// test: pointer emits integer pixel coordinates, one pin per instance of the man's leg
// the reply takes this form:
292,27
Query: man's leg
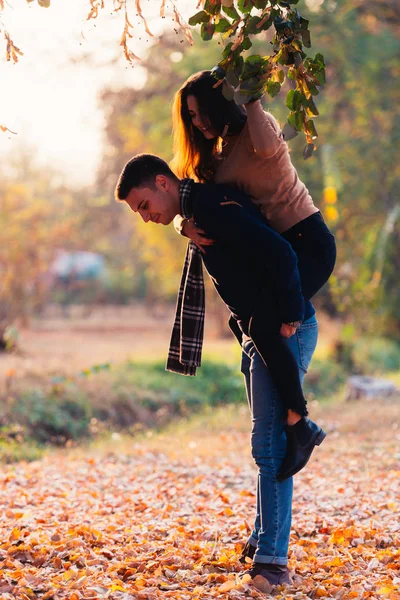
251,544
268,442
268,437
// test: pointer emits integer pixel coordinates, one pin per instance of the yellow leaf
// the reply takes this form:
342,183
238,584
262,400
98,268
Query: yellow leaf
116,587
227,586
385,590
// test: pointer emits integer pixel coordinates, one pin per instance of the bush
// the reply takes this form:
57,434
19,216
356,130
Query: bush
376,355
58,416
324,379
152,387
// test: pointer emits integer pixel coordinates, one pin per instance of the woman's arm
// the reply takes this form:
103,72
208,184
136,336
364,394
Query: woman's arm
187,228
264,132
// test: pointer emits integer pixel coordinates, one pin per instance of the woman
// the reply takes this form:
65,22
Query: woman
217,141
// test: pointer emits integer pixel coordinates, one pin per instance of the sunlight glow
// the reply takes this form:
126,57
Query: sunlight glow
50,96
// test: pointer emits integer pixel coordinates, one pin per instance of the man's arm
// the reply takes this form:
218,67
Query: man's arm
228,222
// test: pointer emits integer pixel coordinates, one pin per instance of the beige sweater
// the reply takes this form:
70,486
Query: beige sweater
259,164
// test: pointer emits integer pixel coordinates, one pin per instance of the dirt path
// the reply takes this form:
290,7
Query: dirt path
60,346
166,517
55,346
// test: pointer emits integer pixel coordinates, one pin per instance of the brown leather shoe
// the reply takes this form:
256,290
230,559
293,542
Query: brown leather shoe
266,576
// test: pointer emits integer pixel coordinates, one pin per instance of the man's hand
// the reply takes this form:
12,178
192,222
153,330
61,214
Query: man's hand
287,330
197,235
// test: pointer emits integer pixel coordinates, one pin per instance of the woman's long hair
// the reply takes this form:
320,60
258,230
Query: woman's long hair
194,155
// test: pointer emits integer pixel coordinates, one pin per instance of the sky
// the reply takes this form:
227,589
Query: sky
49,98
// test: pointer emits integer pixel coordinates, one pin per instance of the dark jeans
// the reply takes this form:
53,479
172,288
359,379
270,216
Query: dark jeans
315,248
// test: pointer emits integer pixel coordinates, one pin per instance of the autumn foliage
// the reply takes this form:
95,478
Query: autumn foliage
167,518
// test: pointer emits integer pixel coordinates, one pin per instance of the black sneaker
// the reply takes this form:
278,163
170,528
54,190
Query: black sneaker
301,441
247,552
266,575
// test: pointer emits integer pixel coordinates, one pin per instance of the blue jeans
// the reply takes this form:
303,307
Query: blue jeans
268,444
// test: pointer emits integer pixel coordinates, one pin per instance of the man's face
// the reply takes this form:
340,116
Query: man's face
158,205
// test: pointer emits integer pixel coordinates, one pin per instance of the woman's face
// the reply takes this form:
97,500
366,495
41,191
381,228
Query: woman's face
198,120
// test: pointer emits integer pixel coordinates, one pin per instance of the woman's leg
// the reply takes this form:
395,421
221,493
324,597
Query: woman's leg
315,248
304,435
316,251
264,330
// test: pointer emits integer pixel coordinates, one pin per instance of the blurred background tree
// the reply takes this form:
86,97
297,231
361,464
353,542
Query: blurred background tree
353,176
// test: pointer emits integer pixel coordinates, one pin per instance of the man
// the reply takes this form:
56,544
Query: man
255,272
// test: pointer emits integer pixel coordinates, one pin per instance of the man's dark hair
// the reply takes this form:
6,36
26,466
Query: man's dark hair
141,171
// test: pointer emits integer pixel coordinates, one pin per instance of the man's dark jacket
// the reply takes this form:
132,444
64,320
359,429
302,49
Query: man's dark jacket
249,259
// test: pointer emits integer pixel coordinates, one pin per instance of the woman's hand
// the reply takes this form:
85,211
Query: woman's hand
287,330
197,235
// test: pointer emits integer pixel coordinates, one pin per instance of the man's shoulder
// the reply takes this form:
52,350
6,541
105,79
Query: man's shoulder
208,196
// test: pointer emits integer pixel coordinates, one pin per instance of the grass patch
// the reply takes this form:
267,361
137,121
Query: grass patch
133,398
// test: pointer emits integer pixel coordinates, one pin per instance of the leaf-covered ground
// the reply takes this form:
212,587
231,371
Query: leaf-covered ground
166,517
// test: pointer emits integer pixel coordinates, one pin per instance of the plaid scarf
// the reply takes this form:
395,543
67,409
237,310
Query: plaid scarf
184,354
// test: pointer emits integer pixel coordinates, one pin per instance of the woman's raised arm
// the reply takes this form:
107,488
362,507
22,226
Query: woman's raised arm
264,130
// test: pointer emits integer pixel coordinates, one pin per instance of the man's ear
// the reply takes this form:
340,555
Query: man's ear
162,181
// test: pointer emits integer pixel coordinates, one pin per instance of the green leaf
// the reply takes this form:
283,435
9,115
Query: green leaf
200,17
314,91
260,4
246,44
231,12
280,76
294,99
227,50
255,60
213,7
250,85
308,151
291,74
311,109
296,120
320,76
273,88
306,37
223,25
282,56
245,6
207,31
251,27
310,127
267,24
303,23
238,65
